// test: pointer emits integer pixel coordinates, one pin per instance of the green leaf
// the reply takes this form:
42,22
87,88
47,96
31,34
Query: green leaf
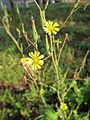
6,18
23,29
33,91
51,115
75,86
35,34
42,17
2,8
47,44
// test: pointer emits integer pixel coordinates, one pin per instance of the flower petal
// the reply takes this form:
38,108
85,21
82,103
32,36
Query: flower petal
54,32
55,25
41,57
31,54
40,62
38,66
56,29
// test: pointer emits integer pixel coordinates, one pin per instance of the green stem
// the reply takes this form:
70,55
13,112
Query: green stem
43,100
55,68
14,40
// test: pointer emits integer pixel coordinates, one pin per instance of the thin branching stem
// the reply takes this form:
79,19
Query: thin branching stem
59,56
26,37
71,13
55,68
76,75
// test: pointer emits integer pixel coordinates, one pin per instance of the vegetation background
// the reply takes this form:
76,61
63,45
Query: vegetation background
20,101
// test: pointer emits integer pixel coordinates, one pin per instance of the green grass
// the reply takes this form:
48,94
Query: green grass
10,69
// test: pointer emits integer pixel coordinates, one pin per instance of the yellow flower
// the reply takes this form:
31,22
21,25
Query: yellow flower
26,60
75,112
36,60
26,63
51,28
63,106
58,113
42,91
23,60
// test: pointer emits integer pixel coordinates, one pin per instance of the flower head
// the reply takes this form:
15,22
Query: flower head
35,60
58,113
42,91
51,28
75,112
63,106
